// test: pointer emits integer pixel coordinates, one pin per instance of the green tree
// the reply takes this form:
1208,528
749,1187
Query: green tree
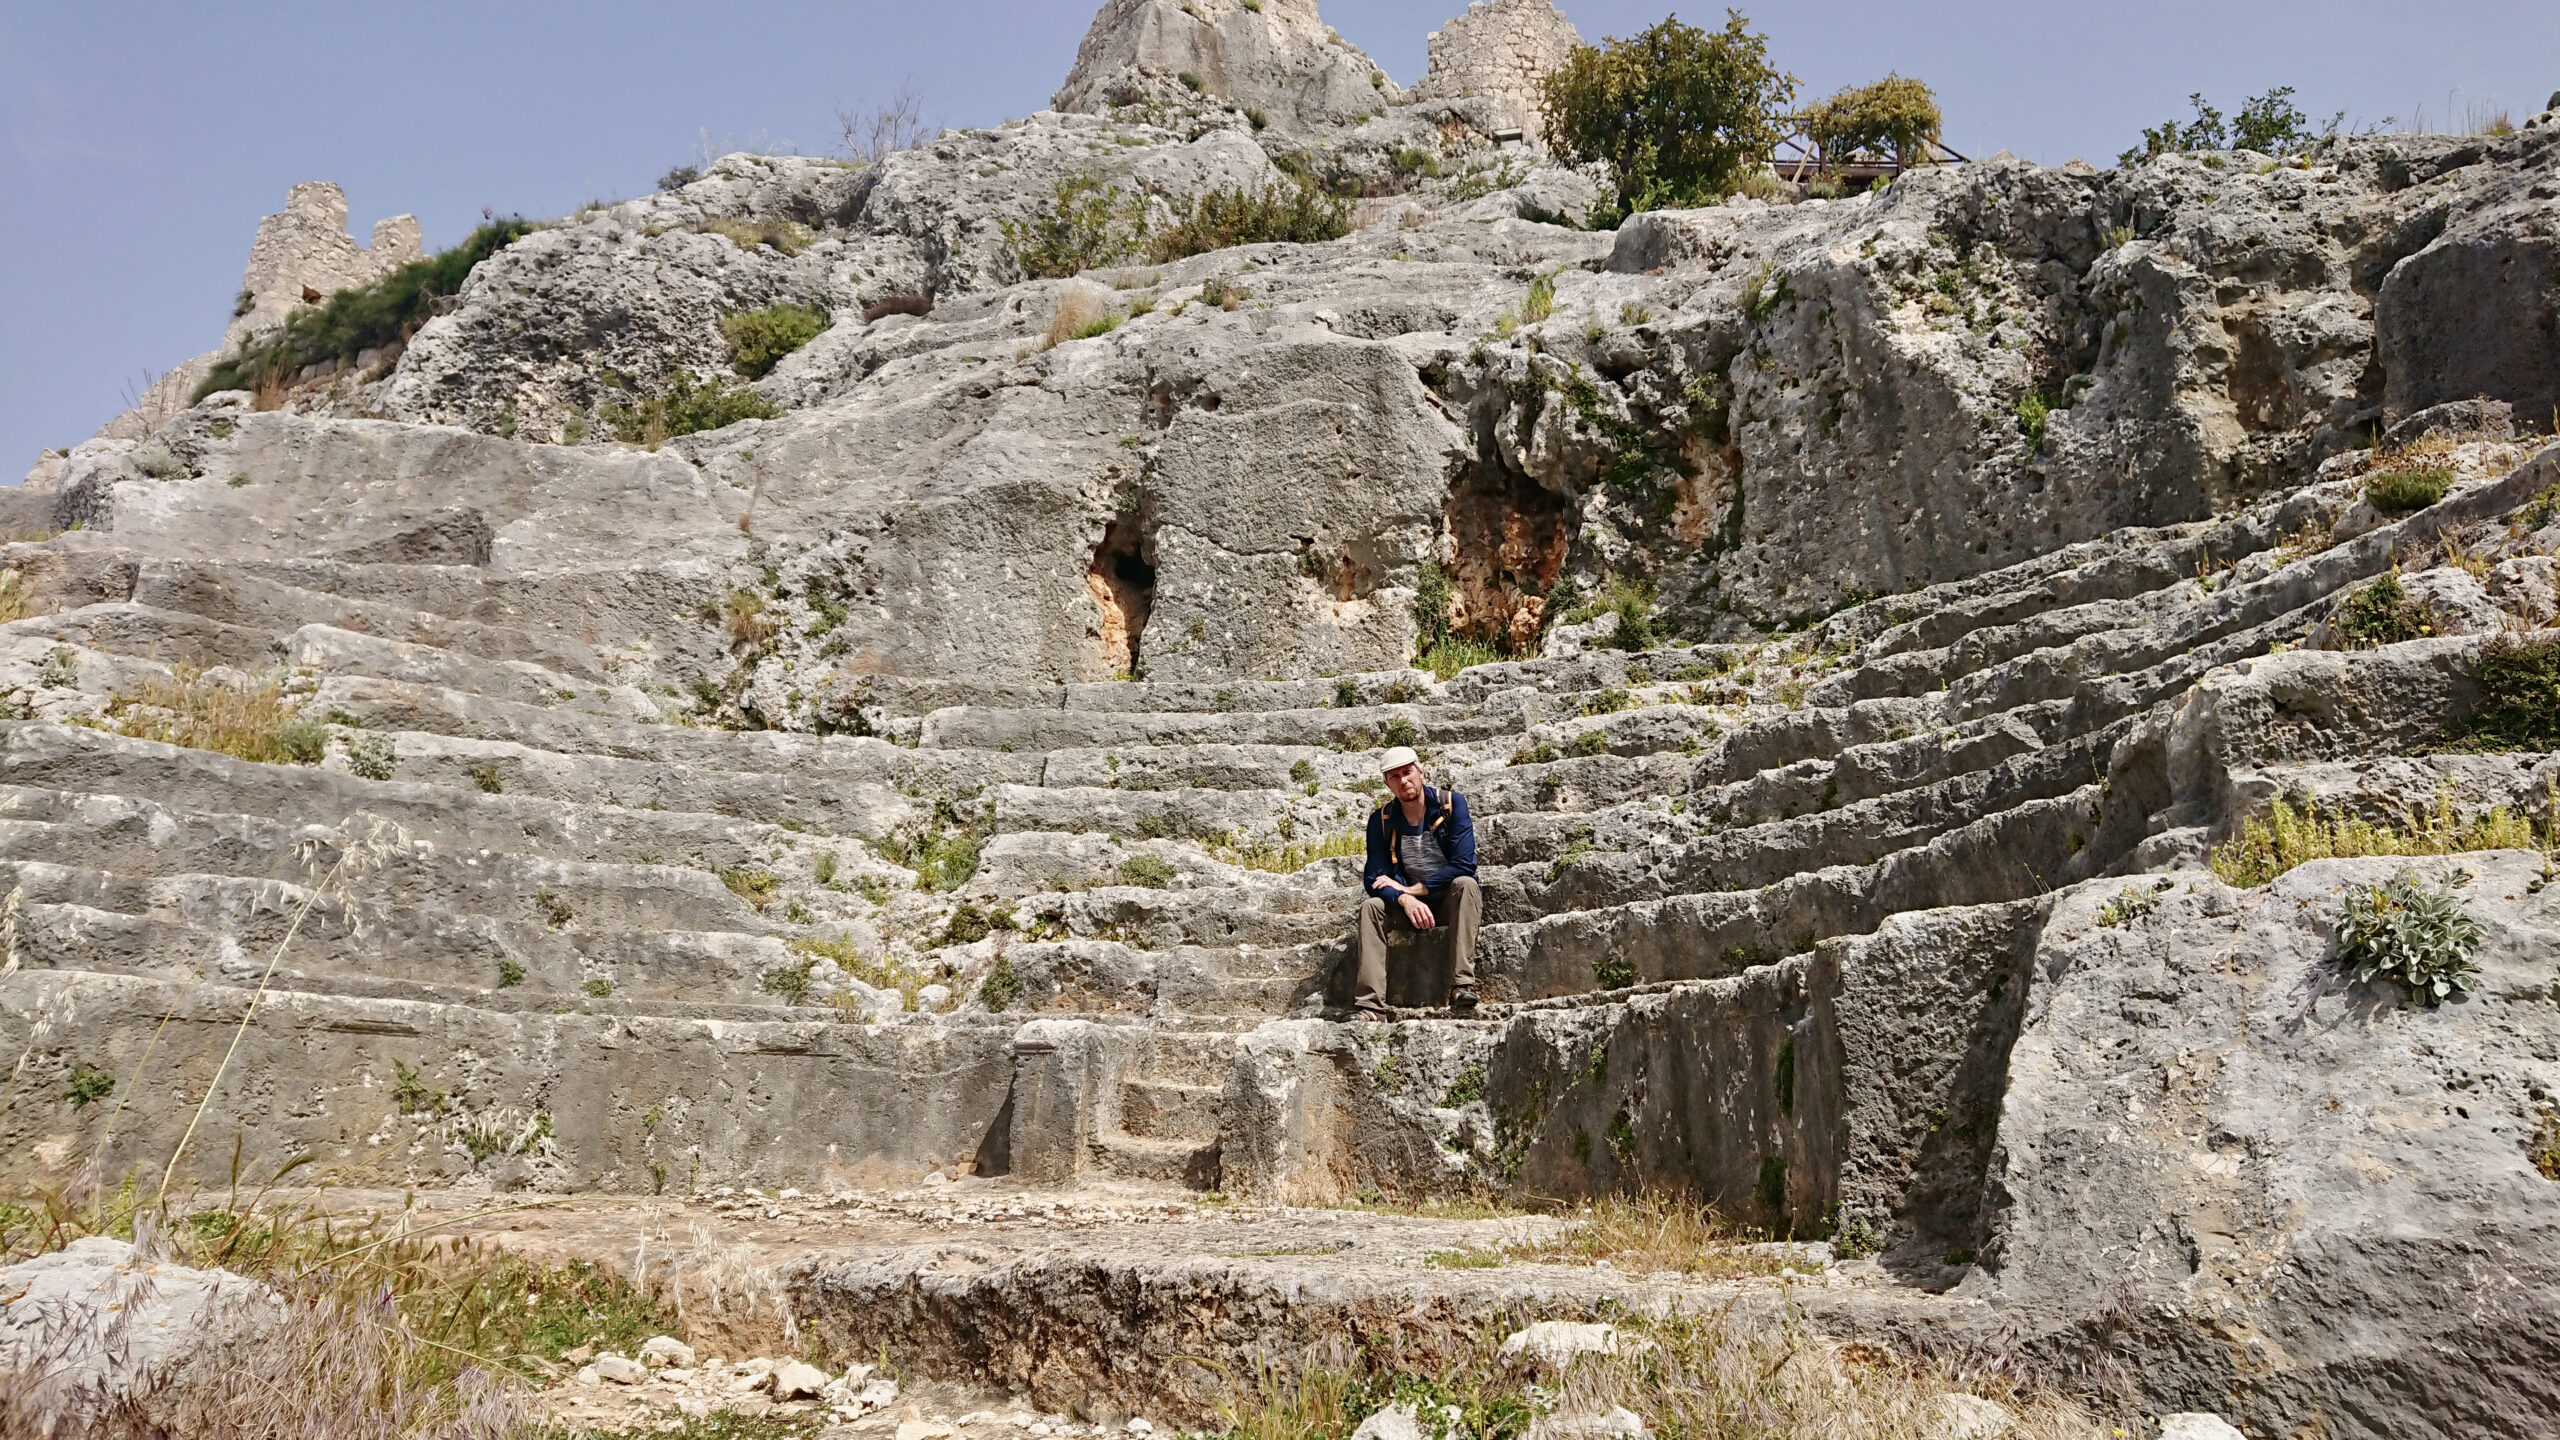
1677,113
2270,124
1895,118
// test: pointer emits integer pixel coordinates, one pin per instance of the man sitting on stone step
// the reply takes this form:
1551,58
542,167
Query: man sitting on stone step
1422,870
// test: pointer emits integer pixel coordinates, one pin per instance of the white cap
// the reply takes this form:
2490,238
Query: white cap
1397,759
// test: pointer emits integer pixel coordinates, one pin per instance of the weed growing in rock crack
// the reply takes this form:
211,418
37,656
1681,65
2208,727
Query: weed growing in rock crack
1467,1089
759,339
1401,731
753,886
372,757
410,1094
599,987
2544,1152
1291,213
1590,743
486,777
1151,871
2404,492
969,924
2519,695
792,981
1613,972
1302,772
2383,614
2131,904
1542,753
2265,849
1462,1260
510,974
88,1083
2407,930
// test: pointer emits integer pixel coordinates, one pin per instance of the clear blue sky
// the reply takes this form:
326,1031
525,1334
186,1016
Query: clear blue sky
144,140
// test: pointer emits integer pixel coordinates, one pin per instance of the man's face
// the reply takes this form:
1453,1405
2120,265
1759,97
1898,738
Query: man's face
1405,782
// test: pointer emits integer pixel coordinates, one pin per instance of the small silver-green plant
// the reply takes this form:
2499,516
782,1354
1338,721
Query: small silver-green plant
2407,930
2131,904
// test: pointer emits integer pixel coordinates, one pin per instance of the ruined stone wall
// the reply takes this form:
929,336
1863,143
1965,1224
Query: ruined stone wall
1501,49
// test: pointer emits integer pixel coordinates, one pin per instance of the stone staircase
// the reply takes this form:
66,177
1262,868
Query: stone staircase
1063,914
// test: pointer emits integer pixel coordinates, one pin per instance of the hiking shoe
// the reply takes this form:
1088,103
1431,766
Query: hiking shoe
1463,1003
1370,1017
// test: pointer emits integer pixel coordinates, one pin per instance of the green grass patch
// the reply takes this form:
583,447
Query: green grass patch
2265,849
758,339
2403,492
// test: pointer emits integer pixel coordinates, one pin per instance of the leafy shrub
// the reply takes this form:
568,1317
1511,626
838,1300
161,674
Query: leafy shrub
1001,986
2519,695
368,317
758,339
1085,223
599,987
1151,871
970,924
1893,118
688,406
2545,1150
1589,743
2403,492
1613,972
1676,113
2383,614
2414,933
510,974
1431,599
2270,124
1450,656
1634,631
2034,412
372,757
1401,731
678,177
1539,754
1296,213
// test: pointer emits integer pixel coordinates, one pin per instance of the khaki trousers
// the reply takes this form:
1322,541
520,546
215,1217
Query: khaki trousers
1458,906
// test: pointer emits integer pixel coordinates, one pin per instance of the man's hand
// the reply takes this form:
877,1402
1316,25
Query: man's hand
1416,911
1388,884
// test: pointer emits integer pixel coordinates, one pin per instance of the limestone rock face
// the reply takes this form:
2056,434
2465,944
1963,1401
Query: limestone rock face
1276,57
2476,312
2212,1136
1500,49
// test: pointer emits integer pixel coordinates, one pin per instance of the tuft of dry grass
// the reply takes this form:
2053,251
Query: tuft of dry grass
1080,310
2265,849
250,722
1655,1231
13,598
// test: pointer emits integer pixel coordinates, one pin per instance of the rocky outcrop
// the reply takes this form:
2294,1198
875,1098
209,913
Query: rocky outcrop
1502,50
1276,58
958,767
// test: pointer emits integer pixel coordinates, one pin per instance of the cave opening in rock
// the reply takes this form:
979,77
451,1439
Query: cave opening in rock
1509,540
1123,581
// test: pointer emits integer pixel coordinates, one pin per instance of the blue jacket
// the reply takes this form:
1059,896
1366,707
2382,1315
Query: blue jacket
1444,811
